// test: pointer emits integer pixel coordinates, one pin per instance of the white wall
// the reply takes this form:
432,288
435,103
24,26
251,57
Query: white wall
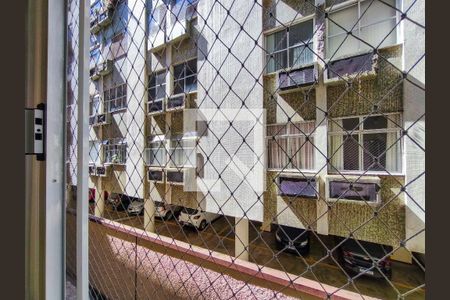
414,108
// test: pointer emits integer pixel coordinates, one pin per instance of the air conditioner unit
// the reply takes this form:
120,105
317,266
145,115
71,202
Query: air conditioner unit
353,188
176,102
297,185
155,175
102,171
103,119
155,107
105,17
298,78
94,73
357,65
106,67
175,177
94,24
92,170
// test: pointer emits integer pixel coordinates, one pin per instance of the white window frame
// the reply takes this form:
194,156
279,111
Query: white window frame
155,144
92,106
279,29
156,87
287,136
179,144
347,5
183,78
361,132
121,99
112,147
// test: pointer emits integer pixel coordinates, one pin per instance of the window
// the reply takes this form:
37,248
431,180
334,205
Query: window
94,151
94,57
116,98
94,105
156,91
155,154
185,77
366,144
291,47
370,21
182,150
290,146
115,151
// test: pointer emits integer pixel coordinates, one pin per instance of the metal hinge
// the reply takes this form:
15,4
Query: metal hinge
35,131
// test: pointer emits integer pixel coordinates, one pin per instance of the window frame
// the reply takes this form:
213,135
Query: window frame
280,28
184,77
186,151
346,5
156,87
153,148
360,132
115,144
121,99
288,136
91,105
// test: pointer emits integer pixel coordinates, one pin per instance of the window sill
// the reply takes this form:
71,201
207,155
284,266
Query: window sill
293,171
120,110
290,69
364,174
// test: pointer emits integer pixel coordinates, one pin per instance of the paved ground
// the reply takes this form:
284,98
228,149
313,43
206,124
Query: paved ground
219,237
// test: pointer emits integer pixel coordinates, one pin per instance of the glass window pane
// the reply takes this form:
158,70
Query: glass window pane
300,56
351,152
374,146
342,21
350,124
178,87
301,32
191,84
191,67
276,41
377,122
376,11
178,71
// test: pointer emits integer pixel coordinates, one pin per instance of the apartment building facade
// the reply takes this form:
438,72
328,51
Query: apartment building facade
341,87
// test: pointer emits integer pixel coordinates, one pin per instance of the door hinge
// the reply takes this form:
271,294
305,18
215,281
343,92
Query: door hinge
35,131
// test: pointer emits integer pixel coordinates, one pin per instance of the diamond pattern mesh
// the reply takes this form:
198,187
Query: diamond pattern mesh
267,149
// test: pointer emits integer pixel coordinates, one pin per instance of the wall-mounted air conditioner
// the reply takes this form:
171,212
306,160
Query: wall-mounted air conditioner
156,106
298,78
92,170
176,102
298,185
175,177
155,175
102,119
102,171
94,73
95,26
105,17
353,188
357,65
